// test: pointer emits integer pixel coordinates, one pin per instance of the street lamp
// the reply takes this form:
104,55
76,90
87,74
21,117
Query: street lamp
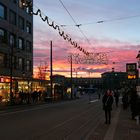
138,59
11,75
70,60
51,70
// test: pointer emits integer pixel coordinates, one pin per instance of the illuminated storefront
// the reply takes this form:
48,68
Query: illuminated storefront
20,85
4,89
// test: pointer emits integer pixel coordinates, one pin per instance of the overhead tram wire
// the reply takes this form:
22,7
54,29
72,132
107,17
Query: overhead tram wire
113,19
103,21
92,56
77,25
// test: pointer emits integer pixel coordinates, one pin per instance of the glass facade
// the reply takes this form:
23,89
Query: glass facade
20,43
12,17
28,46
21,23
16,45
20,63
3,34
2,11
28,27
28,65
1,59
12,40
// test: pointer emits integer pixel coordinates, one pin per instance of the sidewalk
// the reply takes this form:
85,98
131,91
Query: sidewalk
127,129
121,127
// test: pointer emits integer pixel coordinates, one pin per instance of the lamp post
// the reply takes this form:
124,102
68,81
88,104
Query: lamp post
138,59
11,75
51,70
71,78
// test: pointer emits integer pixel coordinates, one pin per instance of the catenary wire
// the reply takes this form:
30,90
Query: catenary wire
103,21
77,25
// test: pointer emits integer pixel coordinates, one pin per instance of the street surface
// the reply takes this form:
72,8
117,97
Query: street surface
67,120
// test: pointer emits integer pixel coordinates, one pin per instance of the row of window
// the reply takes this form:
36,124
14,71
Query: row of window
17,63
14,41
15,20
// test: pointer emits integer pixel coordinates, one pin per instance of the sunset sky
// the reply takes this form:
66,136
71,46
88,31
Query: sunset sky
118,34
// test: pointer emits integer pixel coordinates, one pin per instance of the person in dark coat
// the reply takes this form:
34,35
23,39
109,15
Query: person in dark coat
116,95
133,102
107,101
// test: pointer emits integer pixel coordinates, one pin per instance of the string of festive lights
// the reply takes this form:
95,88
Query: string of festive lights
92,58
54,26
89,57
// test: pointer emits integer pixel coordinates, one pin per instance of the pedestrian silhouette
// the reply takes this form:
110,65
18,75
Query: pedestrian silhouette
116,95
133,102
107,101
125,100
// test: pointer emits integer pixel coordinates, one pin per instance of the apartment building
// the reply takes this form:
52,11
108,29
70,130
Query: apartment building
16,43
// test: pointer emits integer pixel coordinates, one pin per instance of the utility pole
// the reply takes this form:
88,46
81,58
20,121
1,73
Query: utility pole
11,75
71,77
51,70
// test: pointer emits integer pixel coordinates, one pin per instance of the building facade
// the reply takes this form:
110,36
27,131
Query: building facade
114,80
16,43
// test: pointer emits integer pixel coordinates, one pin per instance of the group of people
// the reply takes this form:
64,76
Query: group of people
129,97
28,97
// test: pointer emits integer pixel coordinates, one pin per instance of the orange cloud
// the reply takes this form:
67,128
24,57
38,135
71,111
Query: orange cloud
119,53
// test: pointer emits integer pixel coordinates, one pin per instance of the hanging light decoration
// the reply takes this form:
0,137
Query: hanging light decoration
96,58
91,57
65,36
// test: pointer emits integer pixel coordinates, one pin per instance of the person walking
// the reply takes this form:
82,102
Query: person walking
116,95
107,101
133,102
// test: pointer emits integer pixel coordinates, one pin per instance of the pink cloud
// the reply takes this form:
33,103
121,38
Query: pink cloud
117,51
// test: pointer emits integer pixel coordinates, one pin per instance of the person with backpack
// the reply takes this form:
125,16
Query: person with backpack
107,101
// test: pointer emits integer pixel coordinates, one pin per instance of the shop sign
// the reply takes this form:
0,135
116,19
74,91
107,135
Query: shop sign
131,69
4,80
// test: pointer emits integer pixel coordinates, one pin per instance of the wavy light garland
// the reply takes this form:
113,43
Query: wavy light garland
54,26
90,58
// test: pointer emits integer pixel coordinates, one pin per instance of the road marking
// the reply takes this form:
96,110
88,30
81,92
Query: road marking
111,131
21,111
92,101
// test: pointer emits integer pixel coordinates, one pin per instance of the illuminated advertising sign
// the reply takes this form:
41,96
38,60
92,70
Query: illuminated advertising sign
131,69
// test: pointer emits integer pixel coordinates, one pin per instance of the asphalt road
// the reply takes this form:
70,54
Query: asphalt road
67,120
